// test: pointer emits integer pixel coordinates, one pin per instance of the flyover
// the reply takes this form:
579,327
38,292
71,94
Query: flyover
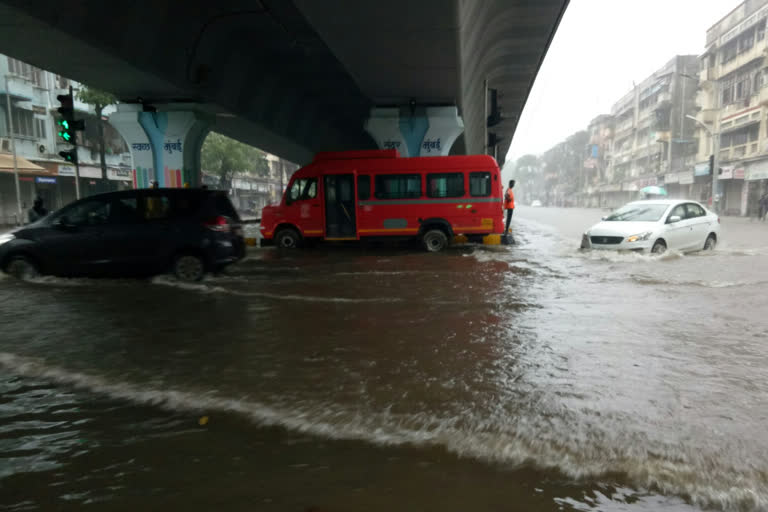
301,76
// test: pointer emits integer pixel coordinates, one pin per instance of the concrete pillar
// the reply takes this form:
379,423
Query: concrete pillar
429,131
165,145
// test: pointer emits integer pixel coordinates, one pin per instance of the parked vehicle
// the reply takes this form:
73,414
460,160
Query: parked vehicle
136,232
655,226
365,194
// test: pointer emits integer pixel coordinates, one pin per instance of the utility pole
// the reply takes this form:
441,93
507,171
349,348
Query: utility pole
13,150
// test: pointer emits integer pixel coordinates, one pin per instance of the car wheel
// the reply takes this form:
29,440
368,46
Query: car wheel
659,247
189,268
434,240
22,267
287,238
711,243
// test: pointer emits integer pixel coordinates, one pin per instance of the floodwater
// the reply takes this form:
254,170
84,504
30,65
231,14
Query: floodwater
532,377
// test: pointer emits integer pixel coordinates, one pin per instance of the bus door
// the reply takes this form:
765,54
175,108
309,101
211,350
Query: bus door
340,207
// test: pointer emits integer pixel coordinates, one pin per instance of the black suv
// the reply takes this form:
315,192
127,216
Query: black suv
136,232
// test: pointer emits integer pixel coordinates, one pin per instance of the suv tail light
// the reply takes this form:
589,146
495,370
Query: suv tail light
220,224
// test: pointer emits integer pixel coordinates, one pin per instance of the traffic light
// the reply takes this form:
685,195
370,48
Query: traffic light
67,123
70,156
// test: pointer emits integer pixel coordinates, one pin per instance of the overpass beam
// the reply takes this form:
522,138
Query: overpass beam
419,131
165,144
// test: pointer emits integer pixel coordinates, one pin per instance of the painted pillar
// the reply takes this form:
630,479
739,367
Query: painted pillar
429,131
126,121
165,145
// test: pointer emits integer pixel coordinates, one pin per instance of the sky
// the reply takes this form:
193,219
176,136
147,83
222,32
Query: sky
600,48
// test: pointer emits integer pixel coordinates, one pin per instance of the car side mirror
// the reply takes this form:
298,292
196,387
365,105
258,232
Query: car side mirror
603,217
673,219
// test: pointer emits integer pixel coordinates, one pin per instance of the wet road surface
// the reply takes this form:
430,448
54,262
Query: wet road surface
532,377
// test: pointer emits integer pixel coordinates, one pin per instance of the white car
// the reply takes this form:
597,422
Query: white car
655,226
536,203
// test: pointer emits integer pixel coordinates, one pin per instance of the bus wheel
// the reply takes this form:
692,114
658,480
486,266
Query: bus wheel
288,238
434,240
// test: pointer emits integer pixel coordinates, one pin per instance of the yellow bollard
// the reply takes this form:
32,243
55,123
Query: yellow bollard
492,240
203,421
460,239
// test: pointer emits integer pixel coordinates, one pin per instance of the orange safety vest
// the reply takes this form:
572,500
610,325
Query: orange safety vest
509,200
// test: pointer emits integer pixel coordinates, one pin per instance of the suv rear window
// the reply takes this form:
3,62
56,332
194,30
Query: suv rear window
224,206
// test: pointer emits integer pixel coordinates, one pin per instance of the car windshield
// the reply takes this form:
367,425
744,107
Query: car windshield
638,213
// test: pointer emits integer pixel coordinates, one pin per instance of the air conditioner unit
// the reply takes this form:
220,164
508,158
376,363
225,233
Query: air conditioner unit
41,149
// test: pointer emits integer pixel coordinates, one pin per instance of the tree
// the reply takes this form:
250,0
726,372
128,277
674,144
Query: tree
226,157
99,100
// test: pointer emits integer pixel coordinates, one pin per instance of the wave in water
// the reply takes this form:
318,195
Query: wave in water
649,280
206,288
673,469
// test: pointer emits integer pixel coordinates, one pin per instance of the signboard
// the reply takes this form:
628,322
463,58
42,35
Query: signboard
119,174
45,179
26,178
671,178
66,170
685,178
726,173
701,169
90,172
758,171
738,174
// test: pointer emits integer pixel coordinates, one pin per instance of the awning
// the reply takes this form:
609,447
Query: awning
24,165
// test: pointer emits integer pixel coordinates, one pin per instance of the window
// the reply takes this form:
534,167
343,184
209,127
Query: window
678,211
479,184
124,211
445,185
758,81
24,70
158,206
23,123
363,187
304,188
91,212
222,204
39,128
693,210
398,186
761,30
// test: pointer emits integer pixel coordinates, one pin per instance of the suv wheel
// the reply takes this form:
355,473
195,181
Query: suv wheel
22,267
287,238
434,240
189,268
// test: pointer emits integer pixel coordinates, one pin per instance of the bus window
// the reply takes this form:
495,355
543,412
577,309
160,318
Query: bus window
363,187
445,184
398,186
479,184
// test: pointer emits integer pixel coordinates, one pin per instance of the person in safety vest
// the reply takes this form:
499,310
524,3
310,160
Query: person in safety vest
509,203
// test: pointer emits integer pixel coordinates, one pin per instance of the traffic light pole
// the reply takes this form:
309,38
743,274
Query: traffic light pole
13,150
77,160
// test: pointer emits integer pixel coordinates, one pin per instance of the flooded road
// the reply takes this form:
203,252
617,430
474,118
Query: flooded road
532,377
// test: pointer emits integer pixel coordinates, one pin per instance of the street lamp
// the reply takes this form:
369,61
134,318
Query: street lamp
715,155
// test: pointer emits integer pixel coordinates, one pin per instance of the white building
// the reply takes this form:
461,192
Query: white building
42,172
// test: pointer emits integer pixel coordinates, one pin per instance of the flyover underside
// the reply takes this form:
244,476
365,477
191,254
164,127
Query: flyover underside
294,77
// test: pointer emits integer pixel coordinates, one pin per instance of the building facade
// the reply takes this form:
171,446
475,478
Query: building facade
652,141
42,172
733,101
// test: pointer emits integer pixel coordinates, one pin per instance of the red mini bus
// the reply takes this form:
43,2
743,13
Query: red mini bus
431,198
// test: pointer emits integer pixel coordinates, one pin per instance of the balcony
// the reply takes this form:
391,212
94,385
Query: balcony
758,51
739,152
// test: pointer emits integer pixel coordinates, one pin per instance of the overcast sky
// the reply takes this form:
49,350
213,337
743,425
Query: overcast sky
600,47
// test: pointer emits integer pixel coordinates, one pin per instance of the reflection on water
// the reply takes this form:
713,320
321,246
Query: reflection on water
532,377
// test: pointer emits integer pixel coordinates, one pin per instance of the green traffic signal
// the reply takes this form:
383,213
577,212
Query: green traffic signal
64,123
65,135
